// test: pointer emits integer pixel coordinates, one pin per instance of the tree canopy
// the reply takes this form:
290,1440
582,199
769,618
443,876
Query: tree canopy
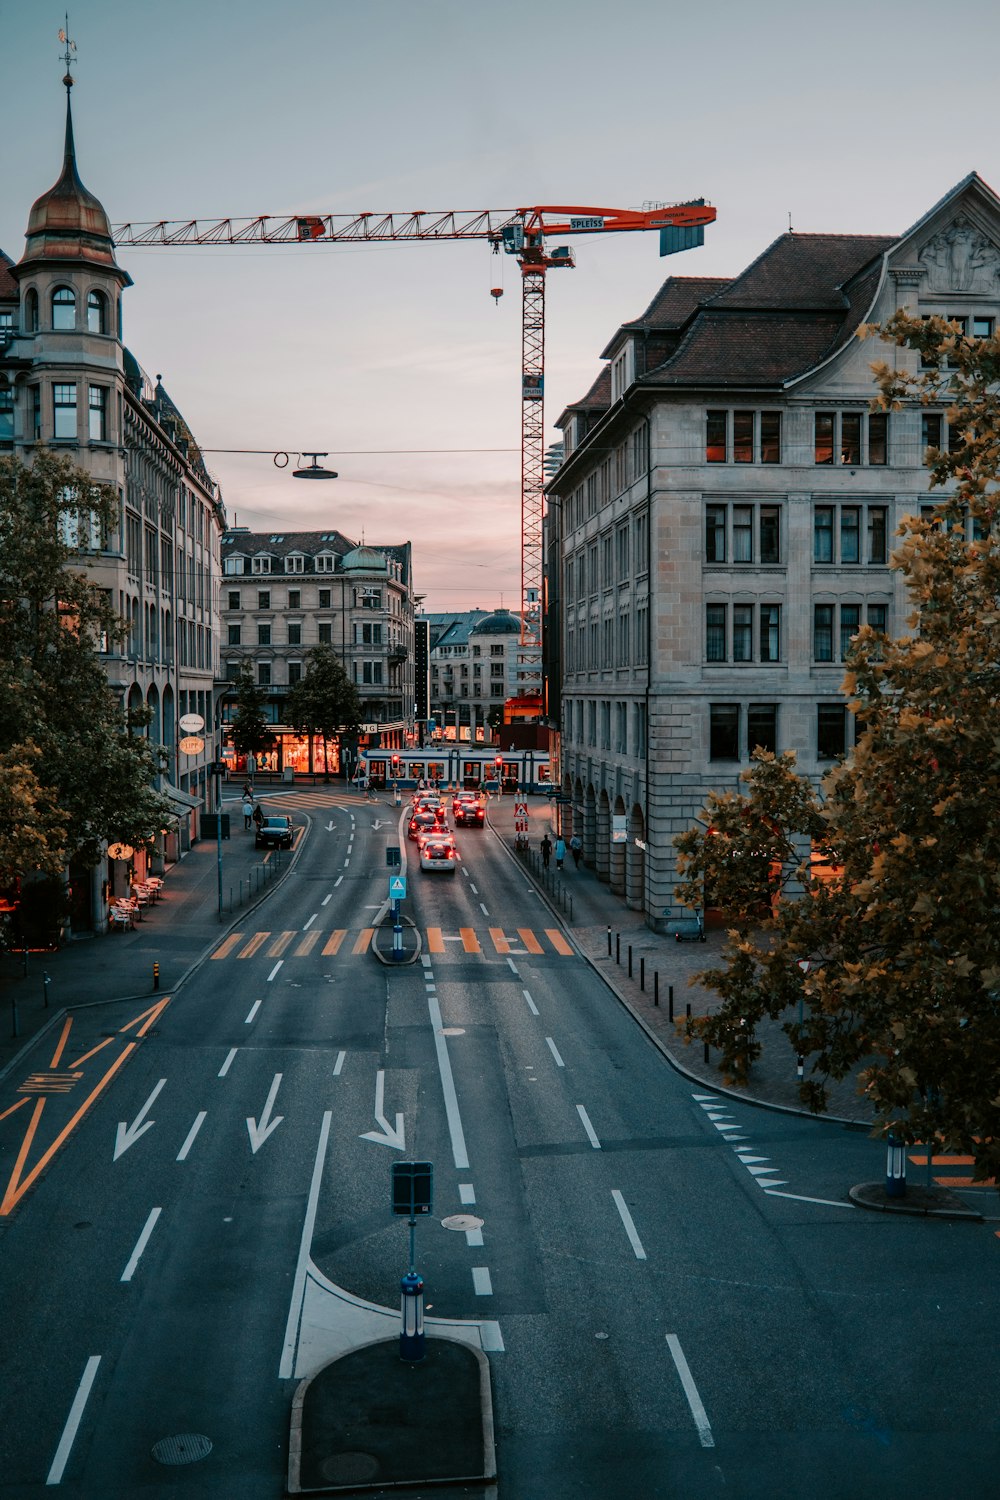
82,772
251,733
896,911
324,701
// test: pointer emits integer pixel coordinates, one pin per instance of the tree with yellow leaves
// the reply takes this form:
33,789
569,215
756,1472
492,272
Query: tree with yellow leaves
901,927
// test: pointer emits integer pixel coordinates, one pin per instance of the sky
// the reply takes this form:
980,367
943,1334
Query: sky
394,358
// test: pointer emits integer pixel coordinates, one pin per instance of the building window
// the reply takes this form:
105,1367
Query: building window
850,624
63,308
770,632
878,438
294,599
31,311
850,534
838,438
724,731
324,599
64,405
97,406
823,443
234,598
264,599
717,424
743,426
715,533
930,429
295,633
877,541
831,730
837,532
295,563
762,727
878,617
263,635
294,673
770,437
770,533
715,632
742,533
6,416
823,632
97,312
742,632
325,636
261,565
233,635
754,531
850,438
264,673
35,398
232,671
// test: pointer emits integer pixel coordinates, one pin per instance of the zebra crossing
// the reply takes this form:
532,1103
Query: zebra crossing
300,943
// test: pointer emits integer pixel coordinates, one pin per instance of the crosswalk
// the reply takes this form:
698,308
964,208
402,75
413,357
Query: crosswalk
297,943
951,1171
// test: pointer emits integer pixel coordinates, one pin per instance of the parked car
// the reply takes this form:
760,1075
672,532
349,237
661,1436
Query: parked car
438,854
274,833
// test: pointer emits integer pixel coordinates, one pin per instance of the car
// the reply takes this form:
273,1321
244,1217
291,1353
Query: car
438,854
470,812
274,833
421,824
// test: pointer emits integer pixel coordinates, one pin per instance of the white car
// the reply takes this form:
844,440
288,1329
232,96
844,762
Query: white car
438,854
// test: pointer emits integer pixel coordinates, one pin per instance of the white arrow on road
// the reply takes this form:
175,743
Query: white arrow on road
260,1132
381,823
387,1136
329,826
127,1135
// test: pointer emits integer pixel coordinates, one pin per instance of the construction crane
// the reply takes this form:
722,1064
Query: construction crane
520,232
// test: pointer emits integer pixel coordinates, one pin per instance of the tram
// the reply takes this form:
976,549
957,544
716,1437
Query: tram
460,766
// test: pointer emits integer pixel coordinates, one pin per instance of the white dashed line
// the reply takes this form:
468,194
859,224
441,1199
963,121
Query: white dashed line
327,899
513,966
228,1063
691,1392
591,1135
255,1007
630,1228
466,1193
481,1283
275,970
338,1065
555,1052
141,1244
198,1123
482,908
73,1420
310,921
338,880
531,1004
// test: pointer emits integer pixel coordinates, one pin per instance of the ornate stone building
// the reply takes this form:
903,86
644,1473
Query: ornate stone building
68,382
727,507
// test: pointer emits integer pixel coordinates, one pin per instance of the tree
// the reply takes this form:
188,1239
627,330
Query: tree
899,924
54,695
251,733
324,701
34,832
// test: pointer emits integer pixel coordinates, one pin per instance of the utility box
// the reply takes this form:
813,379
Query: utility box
288,773
209,829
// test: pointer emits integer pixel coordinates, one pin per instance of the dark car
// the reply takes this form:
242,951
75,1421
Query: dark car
469,811
422,823
274,833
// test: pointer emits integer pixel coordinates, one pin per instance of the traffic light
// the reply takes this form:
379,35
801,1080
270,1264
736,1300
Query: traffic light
395,765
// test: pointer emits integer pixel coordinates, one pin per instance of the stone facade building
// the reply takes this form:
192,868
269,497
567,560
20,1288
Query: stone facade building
474,659
68,382
283,593
726,511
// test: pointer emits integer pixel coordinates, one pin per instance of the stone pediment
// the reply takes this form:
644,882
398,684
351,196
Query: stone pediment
960,258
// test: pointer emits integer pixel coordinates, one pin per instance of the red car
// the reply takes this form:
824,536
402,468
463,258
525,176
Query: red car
422,823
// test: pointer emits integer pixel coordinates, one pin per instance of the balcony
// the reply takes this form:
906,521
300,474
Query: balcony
397,655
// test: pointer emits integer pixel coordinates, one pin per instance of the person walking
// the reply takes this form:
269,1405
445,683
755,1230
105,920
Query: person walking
258,815
546,848
560,851
247,809
576,849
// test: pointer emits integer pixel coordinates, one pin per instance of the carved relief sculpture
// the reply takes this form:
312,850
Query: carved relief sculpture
960,259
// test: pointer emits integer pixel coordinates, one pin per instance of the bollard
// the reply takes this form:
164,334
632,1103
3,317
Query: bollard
688,1009
707,1059
630,960
670,995
800,1064
46,981
642,973
13,1016
609,939
156,976
618,947
656,986
397,934
411,1317
895,1167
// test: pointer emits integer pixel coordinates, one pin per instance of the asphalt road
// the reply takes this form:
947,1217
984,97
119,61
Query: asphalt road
679,1298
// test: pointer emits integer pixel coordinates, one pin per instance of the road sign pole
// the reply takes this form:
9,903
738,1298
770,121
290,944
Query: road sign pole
397,933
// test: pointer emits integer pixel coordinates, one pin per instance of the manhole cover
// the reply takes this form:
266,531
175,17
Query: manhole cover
452,1031
185,1448
349,1468
462,1221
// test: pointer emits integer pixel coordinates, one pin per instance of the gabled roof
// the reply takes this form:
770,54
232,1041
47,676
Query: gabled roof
8,286
283,544
673,304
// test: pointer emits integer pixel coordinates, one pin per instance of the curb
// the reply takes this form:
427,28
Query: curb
917,1202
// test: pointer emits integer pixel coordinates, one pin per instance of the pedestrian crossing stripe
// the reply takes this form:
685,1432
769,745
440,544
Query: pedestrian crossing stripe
466,940
948,1179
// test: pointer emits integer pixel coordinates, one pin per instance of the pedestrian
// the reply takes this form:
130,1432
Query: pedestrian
560,851
258,816
576,849
247,809
546,848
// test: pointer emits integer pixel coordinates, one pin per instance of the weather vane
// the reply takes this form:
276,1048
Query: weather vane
68,55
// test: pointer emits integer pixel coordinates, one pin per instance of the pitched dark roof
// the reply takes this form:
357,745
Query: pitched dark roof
8,286
283,543
598,398
675,301
803,271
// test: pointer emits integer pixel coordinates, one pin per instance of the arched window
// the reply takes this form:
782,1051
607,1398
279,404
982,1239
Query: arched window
63,308
97,312
31,311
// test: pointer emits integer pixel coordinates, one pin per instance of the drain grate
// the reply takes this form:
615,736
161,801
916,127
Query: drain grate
185,1448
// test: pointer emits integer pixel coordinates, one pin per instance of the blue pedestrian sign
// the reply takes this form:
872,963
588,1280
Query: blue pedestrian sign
397,887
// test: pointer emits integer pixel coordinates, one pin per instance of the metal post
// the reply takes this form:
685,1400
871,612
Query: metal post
656,986
688,1010
630,960
895,1167
618,947
411,1314
46,981
642,973
670,1000
609,939
218,831
707,1059
397,938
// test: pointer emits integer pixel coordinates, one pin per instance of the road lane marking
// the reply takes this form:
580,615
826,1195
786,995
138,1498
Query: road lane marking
255,1007
482,908
474,1238
334,941
363,940
73,1420
310,921
326,899
260,1130
228,944
126,1135
141,1244
279,945
473,888
275,970
588,1127
500,942
338,1065
466,1193
529,940
481,1283
555,1052
458,1150
308,943
513,968
257,941
630,1229
287,1366
799,1198
435,940
492,1338
469,940
228,1063
336,883
558,942
198,1123
531,1004
691,1392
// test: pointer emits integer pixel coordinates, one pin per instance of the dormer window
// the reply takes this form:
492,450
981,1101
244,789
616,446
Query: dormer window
323,562
63,308
262,563
295,563
619,375
234,565
97,312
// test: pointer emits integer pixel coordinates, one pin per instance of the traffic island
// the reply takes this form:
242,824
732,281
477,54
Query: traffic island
371,1420
925,1202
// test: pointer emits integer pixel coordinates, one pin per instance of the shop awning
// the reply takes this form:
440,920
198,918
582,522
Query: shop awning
180,802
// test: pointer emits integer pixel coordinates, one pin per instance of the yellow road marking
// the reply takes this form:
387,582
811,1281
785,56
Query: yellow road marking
529,940
92,1053
63,1037
12,1108
942,1161
558,942
364,938
226,947
469,940
308,943
279,945
49,1083
435,942
336,938
257,941
500,942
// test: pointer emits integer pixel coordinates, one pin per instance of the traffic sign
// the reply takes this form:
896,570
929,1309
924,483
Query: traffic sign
412,1188
397,887
392,856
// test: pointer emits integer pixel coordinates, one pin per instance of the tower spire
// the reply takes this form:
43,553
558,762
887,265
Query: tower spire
67,57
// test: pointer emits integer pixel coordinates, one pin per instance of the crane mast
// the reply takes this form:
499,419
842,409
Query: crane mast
522,233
